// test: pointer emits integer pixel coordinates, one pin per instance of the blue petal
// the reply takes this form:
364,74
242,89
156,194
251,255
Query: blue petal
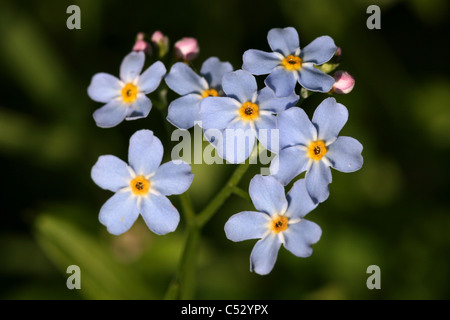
259,62
151,78
268,195
145,152
183,80
111,114
300,236
295,128
329,118
246,225
184,111
284,41
300,202
104,87
159,214
213,71
282,81
217,112
267,132
110,173
345,154
264,254
119,212
131,66
319,51
140,108
288,164
237,142
267,100
317,179
239,85
172,178
314,80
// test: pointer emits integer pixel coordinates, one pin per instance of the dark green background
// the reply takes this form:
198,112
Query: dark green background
393,213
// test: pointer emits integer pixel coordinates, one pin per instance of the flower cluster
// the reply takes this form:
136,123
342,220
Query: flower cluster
229,103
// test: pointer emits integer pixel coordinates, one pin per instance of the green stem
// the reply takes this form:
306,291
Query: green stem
186,273
182,287
241,193
215,204
188,208
230,187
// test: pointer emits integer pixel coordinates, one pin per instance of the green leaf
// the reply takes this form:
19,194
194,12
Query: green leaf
102,277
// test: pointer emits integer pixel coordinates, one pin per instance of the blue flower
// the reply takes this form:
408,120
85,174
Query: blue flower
193,88
125,98
288,64
314,147
243,116
279,220
141,187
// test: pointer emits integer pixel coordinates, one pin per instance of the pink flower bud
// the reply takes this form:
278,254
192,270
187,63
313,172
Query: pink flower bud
337,55
158,37
161,42
141,44
344,82
140,36
187,49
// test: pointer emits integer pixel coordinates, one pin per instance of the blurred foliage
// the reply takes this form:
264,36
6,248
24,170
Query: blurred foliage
393,213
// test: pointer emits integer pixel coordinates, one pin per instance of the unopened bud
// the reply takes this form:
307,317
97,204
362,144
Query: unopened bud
161,41
187,49
344,82
337,55
141,44
333,63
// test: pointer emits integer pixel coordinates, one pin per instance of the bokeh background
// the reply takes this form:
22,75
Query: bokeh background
393,213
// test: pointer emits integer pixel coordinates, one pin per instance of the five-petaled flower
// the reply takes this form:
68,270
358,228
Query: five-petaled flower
242,116
193,88
279,220
125,98
288,64
314,147
141,187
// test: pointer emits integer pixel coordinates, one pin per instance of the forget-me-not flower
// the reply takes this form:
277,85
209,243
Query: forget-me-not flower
288,64
314,147
243,115
279,220
141,187
125,98
193,88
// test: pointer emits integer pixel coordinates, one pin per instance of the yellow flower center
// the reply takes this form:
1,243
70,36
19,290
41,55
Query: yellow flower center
140,185
316,150
210,93
292,62
278,224
249,111
129,92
